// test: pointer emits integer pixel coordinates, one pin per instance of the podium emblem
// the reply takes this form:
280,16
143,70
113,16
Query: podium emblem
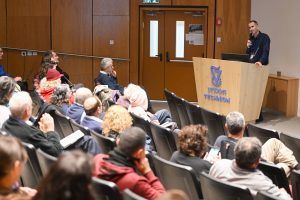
216,76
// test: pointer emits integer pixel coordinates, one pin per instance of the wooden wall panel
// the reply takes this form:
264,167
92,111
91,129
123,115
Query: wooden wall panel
72,26
192,2
108,7
80,69
161,3
104,32
32,65
234,29
2,23
15,63
28,24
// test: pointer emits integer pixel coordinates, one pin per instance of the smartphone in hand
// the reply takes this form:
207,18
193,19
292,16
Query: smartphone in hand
212,154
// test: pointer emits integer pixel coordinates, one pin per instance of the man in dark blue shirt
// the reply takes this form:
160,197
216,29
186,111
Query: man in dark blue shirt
258,45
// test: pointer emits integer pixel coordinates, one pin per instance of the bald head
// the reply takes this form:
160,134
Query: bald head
82,94
20,105
92,106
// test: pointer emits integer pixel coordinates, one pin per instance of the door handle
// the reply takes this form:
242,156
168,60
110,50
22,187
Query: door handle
167,57
160,55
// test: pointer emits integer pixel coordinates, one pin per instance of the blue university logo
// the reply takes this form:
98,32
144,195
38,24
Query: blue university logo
216,76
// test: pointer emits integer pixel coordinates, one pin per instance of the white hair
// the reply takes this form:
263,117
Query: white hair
19,103
82,94
105,62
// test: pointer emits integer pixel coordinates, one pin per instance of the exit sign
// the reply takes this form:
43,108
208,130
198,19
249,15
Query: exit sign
150,1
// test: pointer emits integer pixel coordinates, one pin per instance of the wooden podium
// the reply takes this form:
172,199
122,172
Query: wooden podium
225,86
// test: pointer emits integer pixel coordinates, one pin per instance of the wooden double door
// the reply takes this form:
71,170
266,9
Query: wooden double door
169,39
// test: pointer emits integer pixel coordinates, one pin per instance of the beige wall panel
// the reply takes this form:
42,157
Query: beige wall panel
104,32
111,7
72,26
79,69
28,32
121,67
2,23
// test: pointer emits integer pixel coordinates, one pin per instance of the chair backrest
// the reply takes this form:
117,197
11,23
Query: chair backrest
105,190
295,181
32,173
129,195
276,174
175,176
181,110
164,141
143,124
215,124
62,124
75,127
261,133
106,143
45,161
172,106
213,188
38,101
194,113
265,196
227,149
292,143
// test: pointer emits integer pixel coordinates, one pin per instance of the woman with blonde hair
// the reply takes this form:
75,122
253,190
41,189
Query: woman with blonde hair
116,120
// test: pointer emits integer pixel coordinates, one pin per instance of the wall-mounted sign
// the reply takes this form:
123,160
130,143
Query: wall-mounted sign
151,1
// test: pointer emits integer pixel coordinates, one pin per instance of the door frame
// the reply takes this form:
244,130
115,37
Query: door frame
209,30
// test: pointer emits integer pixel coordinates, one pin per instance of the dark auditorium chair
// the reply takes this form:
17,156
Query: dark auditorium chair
45,161
164,141
172,106
227,150
129,195
38,101
105,190
83,129
292,143
276,174
106,143
295,182
62,124
194,113
32,173
143,124
181,110
266,196
213,189
215,123
175,176
262,134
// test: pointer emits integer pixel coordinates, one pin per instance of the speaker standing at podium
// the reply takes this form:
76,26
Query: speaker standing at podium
258,45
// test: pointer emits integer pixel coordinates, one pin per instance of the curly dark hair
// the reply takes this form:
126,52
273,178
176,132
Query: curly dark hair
192,140
7,86
60,95
68,178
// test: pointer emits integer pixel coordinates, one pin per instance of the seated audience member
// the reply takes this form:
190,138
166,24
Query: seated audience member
2,70
76,110
139,103
69,178
243,170
192,148
107,96
92,108
128,166
43,137
108,76
42,74
116,120
51,57
13,157
173,194
7,86
61,98
48,86
272,151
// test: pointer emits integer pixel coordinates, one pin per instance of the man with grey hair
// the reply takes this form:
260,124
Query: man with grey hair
17,125
272,151
108,75
243,170
76,110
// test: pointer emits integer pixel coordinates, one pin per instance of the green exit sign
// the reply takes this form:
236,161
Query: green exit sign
150,1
